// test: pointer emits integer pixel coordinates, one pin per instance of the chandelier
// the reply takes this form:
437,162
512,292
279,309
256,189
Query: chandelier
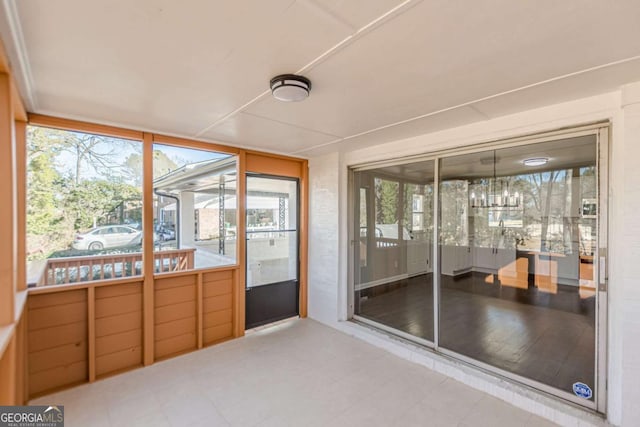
493,192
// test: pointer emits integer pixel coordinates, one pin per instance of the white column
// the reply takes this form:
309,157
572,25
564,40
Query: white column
324,248
187,220
624,291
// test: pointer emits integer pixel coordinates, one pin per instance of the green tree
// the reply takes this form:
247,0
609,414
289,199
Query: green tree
386,201
45,218
93,199
42,209
74,180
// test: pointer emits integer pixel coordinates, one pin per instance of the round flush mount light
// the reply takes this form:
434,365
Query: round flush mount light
290,87
535,161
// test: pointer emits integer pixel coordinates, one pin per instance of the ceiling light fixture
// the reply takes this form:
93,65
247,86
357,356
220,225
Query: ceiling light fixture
290,87
535,161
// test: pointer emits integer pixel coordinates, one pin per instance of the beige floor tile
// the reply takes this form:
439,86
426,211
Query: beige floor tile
299,373
492,412
189,410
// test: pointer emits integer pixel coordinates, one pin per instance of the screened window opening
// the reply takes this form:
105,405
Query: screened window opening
195,208
84,207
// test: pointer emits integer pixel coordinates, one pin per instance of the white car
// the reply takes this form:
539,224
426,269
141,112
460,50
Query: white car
108,236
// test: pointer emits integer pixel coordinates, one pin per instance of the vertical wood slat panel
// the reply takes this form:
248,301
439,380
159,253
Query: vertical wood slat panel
118,328
56,365
176,315
218,306
64,339
67,310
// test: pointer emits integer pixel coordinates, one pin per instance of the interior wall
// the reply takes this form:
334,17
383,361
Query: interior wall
329,180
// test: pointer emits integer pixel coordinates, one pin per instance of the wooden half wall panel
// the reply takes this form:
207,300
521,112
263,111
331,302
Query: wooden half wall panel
175,309
57,341
75,335
217,306
118,328
8,373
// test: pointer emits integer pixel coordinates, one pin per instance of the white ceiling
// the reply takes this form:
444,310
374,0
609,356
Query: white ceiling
381,69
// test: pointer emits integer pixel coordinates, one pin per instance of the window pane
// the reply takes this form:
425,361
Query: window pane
272,236
517,291
269,257
194,208
393,278
78,186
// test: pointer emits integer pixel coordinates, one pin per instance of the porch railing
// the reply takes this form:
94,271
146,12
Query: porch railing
87,268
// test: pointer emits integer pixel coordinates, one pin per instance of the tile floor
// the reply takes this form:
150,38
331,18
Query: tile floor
296,373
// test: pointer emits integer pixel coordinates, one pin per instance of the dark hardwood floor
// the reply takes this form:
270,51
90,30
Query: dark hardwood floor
547,337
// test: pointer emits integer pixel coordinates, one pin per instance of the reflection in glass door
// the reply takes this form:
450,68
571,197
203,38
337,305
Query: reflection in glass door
523,300
272,285
392,248
520,237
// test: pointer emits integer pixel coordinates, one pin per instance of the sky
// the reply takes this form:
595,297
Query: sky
66,161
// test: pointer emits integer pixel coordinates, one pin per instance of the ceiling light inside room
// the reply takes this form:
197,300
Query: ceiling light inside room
535,161
290,87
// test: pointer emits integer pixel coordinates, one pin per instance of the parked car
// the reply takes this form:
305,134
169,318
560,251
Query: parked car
108,236
165,232
133,223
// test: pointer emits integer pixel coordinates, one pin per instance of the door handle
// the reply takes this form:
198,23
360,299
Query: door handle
602,270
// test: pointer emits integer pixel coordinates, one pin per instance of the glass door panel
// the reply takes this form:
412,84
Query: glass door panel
522,299
393,248
272,249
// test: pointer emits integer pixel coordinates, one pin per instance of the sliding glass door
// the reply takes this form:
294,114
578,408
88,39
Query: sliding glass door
393,222
519,301
519,229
